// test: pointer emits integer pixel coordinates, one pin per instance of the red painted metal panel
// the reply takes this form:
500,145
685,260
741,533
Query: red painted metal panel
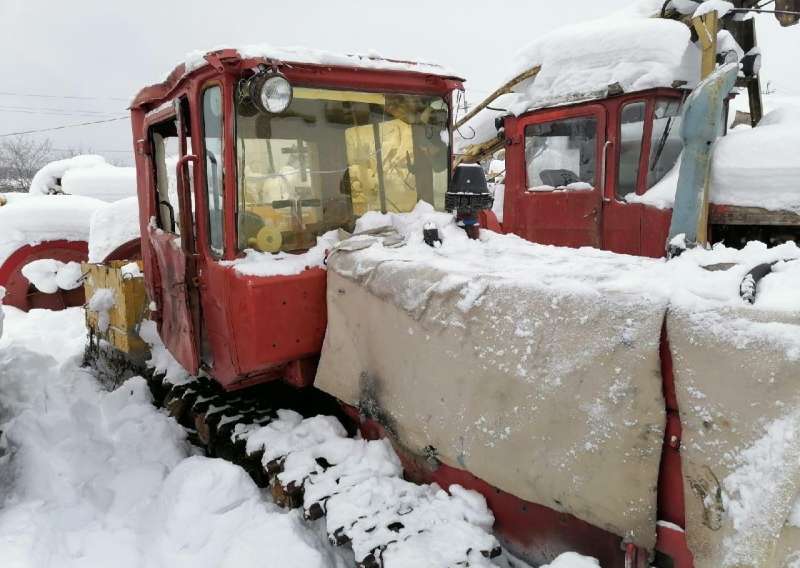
671,503
132,250
563,218
622,227
655,230
274,321
176,324
20,293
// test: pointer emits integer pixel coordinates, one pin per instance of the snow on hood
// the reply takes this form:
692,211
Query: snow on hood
296,54
751,167
112,226
88,175
36,219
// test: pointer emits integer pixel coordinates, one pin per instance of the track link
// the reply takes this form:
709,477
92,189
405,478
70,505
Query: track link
309,460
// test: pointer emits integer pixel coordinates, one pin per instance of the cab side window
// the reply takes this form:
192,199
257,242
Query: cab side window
166,150
631,137
212,132
561,154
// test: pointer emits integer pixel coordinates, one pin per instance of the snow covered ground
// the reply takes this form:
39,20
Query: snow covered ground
94,478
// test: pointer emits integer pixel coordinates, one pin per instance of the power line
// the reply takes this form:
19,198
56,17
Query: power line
56,113
65,126
52,109
38,95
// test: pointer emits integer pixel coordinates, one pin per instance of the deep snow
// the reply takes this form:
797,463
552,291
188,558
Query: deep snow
94,478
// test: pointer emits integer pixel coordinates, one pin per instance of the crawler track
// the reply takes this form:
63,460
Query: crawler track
309,459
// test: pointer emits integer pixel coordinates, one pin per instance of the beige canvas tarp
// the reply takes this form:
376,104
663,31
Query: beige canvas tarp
552,395
737,375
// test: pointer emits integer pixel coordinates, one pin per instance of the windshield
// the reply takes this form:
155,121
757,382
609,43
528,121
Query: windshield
331,157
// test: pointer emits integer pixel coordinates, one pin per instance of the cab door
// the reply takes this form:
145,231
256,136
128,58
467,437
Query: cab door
171,235
557,176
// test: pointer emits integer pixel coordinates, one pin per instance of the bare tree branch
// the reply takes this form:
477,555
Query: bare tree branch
20,159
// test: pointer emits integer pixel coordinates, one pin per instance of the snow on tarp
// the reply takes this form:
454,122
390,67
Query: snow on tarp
516,341
523,363
112,226
750,167
36,219
372,60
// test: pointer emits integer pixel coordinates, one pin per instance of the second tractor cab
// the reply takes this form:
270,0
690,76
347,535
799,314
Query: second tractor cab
244,160
570,169
592,157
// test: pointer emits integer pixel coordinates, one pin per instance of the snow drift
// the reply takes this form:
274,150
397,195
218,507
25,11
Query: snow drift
96,478
113,226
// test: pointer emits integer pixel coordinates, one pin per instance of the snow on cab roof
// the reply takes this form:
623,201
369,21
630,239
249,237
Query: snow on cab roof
590,60
370,60
288,55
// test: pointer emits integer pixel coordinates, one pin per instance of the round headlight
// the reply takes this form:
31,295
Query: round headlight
271,93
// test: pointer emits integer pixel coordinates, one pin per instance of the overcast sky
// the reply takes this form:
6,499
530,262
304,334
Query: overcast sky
106,50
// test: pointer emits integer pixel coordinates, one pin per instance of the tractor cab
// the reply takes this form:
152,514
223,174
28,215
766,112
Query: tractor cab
573,173
252,158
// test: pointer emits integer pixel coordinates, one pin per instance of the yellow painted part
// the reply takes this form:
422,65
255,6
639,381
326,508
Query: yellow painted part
129,309
343,96
707,27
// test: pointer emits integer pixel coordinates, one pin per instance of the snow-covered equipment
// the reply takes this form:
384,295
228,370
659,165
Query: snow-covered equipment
49,233
52,225
87,175
606,110
610,404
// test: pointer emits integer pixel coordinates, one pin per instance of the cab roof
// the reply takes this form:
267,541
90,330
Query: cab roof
284,56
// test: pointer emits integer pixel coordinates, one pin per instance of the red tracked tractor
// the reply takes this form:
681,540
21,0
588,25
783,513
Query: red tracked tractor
247,160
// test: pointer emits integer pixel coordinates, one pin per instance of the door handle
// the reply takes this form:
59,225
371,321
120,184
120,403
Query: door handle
592,213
